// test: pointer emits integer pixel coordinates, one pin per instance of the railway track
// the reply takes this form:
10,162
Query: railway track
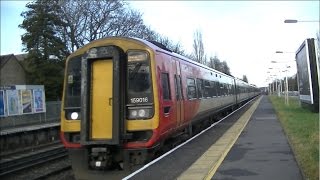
54,172
19,162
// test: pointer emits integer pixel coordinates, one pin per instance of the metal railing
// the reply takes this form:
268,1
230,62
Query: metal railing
52,114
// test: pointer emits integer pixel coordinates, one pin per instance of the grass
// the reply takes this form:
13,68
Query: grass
302,129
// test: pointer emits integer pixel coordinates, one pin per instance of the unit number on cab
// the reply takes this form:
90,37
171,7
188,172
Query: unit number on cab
139,100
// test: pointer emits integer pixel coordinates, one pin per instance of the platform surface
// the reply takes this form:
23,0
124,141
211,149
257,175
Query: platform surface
261,152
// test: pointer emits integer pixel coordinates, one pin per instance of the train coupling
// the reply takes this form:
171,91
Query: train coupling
100,158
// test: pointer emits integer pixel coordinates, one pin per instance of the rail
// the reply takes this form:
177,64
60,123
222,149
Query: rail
21,162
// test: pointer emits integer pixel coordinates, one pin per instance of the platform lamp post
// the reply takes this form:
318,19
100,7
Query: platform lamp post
286,80
286,66
269,80
287,86
278,73
276,88
269,84
273,84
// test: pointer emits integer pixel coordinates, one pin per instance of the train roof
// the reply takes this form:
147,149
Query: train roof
161,48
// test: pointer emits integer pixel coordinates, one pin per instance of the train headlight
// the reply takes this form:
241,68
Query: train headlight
140,112
74,115
134,113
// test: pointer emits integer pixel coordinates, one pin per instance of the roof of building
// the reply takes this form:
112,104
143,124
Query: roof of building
21,57
5,58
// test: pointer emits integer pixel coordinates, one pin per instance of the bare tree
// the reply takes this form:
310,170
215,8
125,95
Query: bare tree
214,63
86,21
244,78
225,68
169,44
198,49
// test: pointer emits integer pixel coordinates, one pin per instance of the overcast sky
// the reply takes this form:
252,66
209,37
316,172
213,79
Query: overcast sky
246,34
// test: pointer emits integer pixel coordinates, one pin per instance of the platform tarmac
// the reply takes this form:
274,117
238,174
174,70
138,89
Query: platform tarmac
249,144
261,152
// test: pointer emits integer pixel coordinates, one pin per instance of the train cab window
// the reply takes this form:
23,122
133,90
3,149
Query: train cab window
191,88
165,86
73,83
200,87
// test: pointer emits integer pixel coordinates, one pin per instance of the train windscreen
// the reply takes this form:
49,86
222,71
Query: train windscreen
139,78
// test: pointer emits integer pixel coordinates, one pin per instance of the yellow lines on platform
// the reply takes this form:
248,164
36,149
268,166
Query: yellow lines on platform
206,166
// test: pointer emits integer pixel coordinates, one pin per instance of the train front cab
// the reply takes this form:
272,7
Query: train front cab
106,114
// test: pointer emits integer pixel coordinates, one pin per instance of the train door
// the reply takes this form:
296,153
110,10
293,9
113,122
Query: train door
178,93
102,97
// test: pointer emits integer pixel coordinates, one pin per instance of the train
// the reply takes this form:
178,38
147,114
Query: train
125,98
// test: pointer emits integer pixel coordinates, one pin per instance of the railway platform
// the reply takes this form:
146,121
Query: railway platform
262,150
246,145
29,127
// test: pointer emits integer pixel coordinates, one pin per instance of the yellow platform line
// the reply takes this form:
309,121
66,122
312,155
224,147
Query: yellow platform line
206,166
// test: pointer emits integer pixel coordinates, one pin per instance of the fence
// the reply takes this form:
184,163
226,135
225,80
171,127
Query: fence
52,114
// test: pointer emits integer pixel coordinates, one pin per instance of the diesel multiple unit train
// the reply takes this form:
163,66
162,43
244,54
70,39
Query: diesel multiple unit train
125,97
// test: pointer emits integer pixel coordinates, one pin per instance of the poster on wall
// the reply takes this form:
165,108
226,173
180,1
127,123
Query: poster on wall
13,102
2,104
38,100
26,101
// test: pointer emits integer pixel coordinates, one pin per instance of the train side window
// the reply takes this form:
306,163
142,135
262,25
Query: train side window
165,86
221,89
213,91
228,89
191,85
200,87
207,89
217,86
232,89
